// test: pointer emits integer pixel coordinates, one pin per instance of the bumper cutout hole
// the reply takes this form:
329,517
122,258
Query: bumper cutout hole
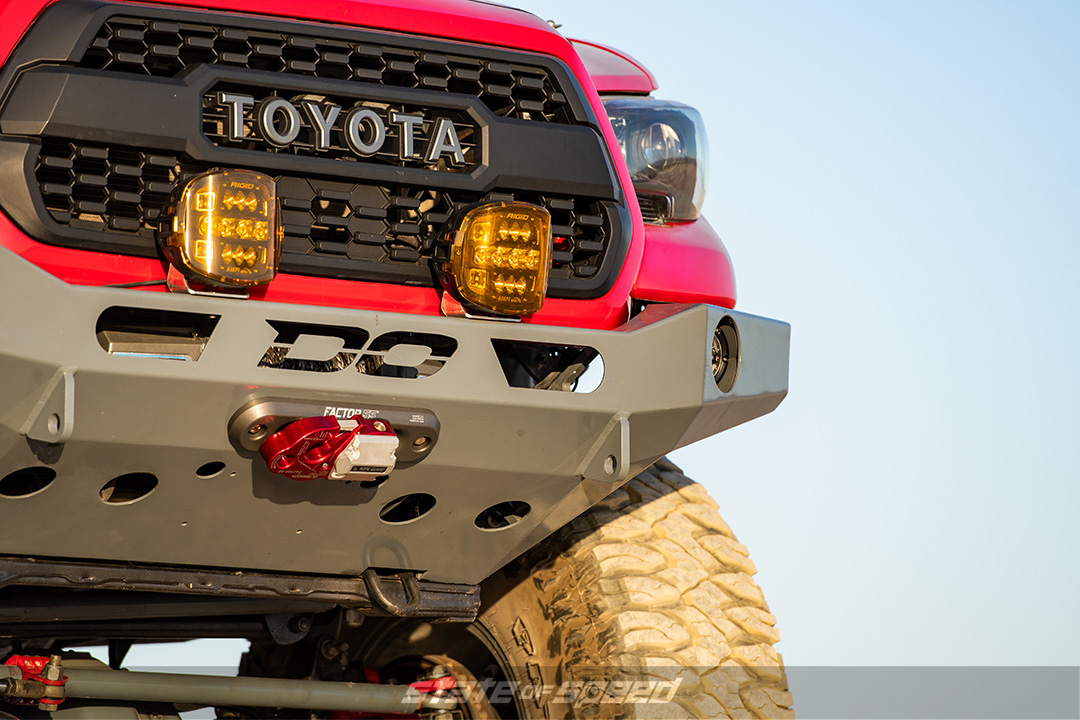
503,515
407,508
128,488
210,469
26,482
160,334
542,366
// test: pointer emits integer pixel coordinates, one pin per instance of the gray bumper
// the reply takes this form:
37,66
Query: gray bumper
552,450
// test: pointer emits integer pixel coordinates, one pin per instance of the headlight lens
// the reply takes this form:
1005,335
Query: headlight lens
665,148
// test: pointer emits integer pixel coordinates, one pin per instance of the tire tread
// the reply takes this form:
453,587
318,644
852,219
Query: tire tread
672,594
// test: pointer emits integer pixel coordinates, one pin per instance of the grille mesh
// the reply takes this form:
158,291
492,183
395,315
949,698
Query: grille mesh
97,187
165,49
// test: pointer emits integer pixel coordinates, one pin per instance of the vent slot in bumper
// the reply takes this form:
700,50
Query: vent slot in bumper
161,334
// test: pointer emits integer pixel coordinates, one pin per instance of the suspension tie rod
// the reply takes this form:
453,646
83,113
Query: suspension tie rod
210,690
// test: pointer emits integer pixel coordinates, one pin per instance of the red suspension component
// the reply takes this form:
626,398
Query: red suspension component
45,670
31,665
322,448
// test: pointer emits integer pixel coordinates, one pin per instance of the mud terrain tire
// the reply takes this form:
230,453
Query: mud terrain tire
648,588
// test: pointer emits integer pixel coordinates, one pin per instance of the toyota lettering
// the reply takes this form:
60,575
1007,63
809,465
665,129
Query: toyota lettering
364,130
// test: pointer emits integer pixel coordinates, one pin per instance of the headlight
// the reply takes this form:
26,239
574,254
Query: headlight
665,148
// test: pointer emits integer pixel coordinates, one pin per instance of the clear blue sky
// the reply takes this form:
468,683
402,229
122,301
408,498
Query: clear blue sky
901,182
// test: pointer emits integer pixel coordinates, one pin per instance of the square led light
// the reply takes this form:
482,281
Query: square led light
501,256
224,229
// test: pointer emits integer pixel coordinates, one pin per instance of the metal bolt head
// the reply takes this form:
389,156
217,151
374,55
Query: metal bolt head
256,429
53,670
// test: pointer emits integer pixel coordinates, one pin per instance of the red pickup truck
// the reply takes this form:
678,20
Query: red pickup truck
360,329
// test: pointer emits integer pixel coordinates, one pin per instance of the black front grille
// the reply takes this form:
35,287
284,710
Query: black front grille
332,228
164,48
525,128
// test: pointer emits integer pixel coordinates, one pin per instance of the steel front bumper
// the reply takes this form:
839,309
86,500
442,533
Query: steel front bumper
69,405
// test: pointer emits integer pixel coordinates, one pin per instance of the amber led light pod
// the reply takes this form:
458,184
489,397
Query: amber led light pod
225,230
501,257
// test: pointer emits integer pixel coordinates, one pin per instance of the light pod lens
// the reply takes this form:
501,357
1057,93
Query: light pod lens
225,229
501,257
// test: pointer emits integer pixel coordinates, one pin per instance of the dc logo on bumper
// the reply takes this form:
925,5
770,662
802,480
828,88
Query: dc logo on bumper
364,130
396,353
